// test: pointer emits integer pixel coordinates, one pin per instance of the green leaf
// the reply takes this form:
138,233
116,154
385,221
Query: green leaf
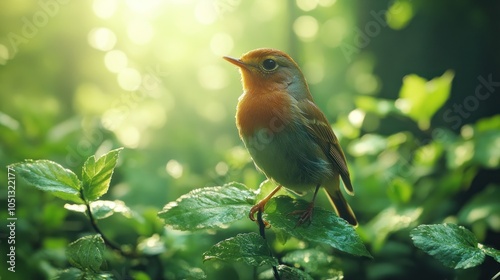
492,252
69,274
96,175
455,246
50,177
399,14
388,221
487,148
369,144
151,246
287,272
326,227
380,107
399,190
208,207
249,248
483,206
420,99
102,209
86,253
314,262
459,154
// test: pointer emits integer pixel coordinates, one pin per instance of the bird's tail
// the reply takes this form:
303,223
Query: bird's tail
339,203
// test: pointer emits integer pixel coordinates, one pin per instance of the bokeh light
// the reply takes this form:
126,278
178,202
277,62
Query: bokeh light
102,39
306,27
129,79
174,168
115,61
104,9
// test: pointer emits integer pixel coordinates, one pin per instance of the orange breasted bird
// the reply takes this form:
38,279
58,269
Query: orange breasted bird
286,134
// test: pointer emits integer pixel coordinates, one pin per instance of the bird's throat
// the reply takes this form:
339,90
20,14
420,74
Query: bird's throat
262,111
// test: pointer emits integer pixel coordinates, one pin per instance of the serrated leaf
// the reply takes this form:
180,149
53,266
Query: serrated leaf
102,209
492,252
420,99
326,227
455,246
208,207
249,248
51,177
86,253
96,174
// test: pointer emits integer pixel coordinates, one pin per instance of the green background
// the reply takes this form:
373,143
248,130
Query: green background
79,78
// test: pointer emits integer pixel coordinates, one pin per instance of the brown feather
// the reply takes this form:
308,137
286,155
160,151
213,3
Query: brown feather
321,131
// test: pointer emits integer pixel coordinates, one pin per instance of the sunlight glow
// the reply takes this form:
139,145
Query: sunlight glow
102,39
212,111
144,7
213,77
205,12
129,136
356,117
129,79
221,168
140,32
326,3
221,44
174,168
333,31
314,71
265,10
307,5
115,61
104,8
306,27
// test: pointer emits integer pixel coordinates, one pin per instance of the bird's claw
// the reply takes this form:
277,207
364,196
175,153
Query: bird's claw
305,216
258,208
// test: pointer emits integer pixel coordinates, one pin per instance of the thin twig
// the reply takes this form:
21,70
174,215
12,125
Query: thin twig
262,232
107,241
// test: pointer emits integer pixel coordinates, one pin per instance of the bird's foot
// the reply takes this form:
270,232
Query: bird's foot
305,216
259,209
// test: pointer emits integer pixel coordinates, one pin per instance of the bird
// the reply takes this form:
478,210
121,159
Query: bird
287,135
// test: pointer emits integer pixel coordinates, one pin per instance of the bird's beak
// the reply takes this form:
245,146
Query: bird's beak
236,62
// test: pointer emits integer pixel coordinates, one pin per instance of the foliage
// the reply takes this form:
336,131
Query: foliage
453,245
410,87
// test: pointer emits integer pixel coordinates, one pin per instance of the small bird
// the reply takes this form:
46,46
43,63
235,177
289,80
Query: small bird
286,134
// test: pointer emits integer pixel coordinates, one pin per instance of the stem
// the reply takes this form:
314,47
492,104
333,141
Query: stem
107,241
262,232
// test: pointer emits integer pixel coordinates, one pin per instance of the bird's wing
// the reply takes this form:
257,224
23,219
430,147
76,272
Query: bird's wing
320,130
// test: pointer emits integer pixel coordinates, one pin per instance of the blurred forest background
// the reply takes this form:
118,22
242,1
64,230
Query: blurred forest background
79,78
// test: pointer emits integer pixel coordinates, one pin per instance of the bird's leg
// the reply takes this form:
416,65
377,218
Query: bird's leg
306,215
259,207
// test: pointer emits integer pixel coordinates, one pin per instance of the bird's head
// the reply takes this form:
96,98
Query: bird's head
270,70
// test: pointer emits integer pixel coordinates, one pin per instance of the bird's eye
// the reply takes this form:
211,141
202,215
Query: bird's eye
269,64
